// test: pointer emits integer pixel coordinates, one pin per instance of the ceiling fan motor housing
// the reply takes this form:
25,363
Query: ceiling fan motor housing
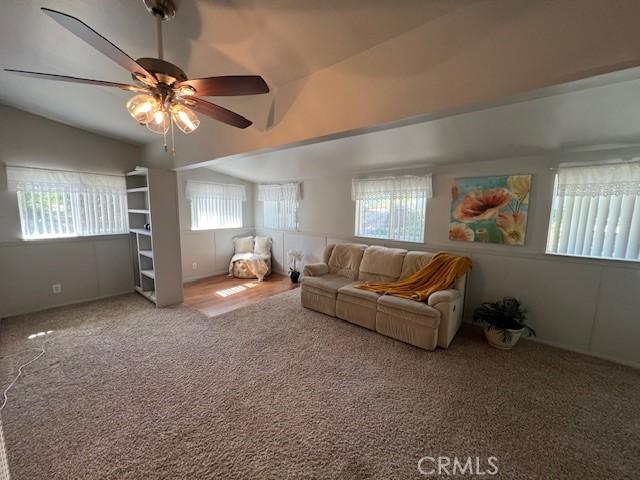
165,9
165,72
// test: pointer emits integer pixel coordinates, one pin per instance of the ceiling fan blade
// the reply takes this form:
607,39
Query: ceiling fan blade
65,78
100,43
217,112
227,86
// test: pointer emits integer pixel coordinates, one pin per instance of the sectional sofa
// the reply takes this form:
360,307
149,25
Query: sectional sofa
328,287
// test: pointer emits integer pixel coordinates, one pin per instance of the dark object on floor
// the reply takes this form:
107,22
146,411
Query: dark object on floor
294,275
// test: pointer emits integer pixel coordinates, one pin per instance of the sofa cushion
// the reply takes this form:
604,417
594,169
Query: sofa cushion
345,260
414,261
358,295
410,306
381,264
326,284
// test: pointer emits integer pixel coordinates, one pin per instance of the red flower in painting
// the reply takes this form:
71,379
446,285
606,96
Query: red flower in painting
461,232
482,204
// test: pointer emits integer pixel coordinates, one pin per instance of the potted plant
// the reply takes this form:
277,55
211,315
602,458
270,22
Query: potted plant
295,256
504,322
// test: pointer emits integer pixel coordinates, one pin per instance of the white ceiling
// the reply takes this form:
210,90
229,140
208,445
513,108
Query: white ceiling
282,40
600,117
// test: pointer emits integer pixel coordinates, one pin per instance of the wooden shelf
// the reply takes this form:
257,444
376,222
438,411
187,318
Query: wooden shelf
151,194
149,274
148,294
140,231
140,171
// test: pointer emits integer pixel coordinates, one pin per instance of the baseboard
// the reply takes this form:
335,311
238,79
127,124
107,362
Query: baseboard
620,361
200,277
66,304
627,363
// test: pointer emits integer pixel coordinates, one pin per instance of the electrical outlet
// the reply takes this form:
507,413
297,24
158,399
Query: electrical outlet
194,266
56,288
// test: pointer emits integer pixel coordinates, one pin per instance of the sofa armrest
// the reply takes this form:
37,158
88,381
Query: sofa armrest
443,296
449,303
315,269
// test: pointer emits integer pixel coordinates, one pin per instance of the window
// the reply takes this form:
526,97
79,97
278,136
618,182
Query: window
56,204
215,205
392,208
280,204
596,212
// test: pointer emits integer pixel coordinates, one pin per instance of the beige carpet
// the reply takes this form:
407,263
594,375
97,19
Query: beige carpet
275,391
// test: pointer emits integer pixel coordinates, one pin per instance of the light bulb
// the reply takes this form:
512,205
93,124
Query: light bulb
160,122
142,108
185,91
184,118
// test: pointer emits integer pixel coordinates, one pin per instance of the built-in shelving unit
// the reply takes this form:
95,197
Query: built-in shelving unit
155,235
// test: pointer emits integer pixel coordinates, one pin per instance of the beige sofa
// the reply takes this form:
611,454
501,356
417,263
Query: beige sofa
328,287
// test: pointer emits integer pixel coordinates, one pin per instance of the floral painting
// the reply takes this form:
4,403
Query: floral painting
490,209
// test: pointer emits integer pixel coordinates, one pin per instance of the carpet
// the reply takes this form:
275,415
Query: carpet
272,390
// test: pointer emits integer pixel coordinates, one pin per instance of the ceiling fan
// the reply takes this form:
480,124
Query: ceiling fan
164,94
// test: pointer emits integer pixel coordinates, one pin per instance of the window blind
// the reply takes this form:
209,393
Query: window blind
66,204
596,212
215,205
280,205
392,208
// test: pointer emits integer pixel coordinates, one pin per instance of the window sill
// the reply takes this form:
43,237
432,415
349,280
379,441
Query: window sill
45,241
209,229
390,240
290,230
602,260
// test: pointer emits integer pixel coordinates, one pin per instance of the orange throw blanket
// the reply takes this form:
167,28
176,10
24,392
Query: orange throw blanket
440,273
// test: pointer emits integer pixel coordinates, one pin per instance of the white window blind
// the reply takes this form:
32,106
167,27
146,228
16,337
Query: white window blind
67,204
392,208
280,205
596,212
215,205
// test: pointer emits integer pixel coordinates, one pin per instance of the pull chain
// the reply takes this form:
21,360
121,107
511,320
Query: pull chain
165,139
173,142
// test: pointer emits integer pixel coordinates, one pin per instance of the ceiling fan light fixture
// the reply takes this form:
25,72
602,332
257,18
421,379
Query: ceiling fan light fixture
184,118
160,123
142,108
185,91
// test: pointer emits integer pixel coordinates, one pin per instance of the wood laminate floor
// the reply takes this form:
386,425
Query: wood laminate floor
220,294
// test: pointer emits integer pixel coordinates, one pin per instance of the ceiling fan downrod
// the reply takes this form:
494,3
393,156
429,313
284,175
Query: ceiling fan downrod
160,46
162,10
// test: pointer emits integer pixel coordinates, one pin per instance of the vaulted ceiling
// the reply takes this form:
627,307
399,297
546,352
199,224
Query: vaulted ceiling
333,65
575,122
282,40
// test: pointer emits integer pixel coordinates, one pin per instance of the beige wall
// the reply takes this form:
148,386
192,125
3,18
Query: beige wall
87,268
584,305
210,250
